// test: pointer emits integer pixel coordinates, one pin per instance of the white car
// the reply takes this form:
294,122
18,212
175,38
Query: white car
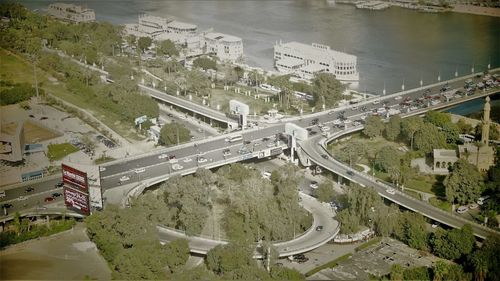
140,170
187,160
473,206
202,160
102,169
391,191
182,117
124,178
462,209
162,156
176,167
314,185
398,97
336,122
21,198
173,160
376,102
325,129
266,175
347,121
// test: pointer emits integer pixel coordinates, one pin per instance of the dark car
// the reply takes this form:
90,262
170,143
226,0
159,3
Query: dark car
315,121
28,189
7,205
56,194
324,156
265,139
319,228
48,199
312,133
43,118
32,116
350,173
247,142
171,157
59,184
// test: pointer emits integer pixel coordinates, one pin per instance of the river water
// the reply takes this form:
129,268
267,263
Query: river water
393,46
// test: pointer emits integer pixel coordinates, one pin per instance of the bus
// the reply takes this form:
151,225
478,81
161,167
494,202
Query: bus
234,138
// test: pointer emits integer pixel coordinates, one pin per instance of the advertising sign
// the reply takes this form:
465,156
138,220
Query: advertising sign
75,178
76,200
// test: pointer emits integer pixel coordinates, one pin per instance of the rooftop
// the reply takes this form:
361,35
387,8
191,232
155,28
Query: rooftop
317,49
222,37
287,61
312,68
445,153
181,25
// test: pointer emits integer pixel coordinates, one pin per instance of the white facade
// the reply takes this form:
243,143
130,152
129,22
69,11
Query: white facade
225,47
305,60
71,13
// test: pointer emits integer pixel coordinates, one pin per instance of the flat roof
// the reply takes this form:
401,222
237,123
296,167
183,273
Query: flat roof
290,61
310,49
182,25
445,152
222,37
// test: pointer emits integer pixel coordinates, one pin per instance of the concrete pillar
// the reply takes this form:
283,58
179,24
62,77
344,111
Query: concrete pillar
190,97
339,179
177,92
292,149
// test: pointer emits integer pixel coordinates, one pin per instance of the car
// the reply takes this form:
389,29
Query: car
140,170
391,191
102,169
56,194
162,156
246,142
350,173
2,194
256,143
324,156
435,225
319,228
473,206
202,160
176,167
28,189
265,139
182,117
398,97
170,115
376,102
314,185
226,152
186,160
172,160
266,175
21,198
331,112
43,118
48,199
124,178
7,205
462,209
59,184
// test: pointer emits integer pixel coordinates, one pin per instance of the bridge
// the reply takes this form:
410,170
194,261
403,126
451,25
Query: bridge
189,106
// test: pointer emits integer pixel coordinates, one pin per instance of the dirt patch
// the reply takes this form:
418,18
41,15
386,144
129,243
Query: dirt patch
34,133
64,256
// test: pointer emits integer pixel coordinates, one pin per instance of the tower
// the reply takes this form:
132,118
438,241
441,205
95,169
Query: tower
485,133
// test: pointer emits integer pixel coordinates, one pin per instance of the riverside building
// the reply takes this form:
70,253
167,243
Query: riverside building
305,60
71,12
225,47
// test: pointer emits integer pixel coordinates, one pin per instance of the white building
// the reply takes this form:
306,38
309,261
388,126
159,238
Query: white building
305,60
71,12
225,47
148,26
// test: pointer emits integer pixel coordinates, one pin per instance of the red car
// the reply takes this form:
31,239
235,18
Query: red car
49,199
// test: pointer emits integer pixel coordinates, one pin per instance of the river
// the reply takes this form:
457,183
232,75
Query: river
393,46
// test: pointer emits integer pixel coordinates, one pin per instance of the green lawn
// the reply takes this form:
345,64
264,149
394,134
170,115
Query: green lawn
17,69
444,205
59,151
103,160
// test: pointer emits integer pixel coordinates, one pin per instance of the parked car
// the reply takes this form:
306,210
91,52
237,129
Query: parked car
319,228
56,194
28,189
124,178
202,160
21,198
7,205
462,209
162,156
391,191
48,199
176,167
324,156
314,185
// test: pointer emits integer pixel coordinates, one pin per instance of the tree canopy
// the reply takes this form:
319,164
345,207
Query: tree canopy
326,89
464,184
205,63
167,48
374,126
173,134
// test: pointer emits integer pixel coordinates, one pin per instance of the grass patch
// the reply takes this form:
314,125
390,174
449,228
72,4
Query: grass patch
17,69
413,194
330,264
103,159
367,244
59,151
441,204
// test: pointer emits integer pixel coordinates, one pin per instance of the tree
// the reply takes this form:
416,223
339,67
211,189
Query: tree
452,244
429,137
230,76
205,63
464,183
373,126
167,48
388,158
174,133
88,142
325,192
393,128
464,127
494,131
326,89
349,222
178,254
352,153
197,83
486,261
437,118
283,273
143,43
411,229
420,273
409,126
396,272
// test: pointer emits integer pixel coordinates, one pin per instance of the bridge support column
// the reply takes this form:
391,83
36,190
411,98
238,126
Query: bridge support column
293,147
339,179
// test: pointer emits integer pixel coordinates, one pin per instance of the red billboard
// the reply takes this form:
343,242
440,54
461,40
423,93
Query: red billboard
75,178
77,201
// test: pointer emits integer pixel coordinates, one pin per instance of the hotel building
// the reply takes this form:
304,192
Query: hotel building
305,60
71,13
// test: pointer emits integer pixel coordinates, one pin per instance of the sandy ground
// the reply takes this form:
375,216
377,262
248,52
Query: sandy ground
483,11
65,256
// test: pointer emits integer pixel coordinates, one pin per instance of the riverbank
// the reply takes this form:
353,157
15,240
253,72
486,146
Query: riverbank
476,10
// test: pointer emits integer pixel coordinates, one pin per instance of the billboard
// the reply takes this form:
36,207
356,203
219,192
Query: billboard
75,178
76,200
276,151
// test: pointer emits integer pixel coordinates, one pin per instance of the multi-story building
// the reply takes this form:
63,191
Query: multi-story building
225,47
71,12
305,60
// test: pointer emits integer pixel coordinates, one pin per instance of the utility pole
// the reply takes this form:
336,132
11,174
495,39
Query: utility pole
177,128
